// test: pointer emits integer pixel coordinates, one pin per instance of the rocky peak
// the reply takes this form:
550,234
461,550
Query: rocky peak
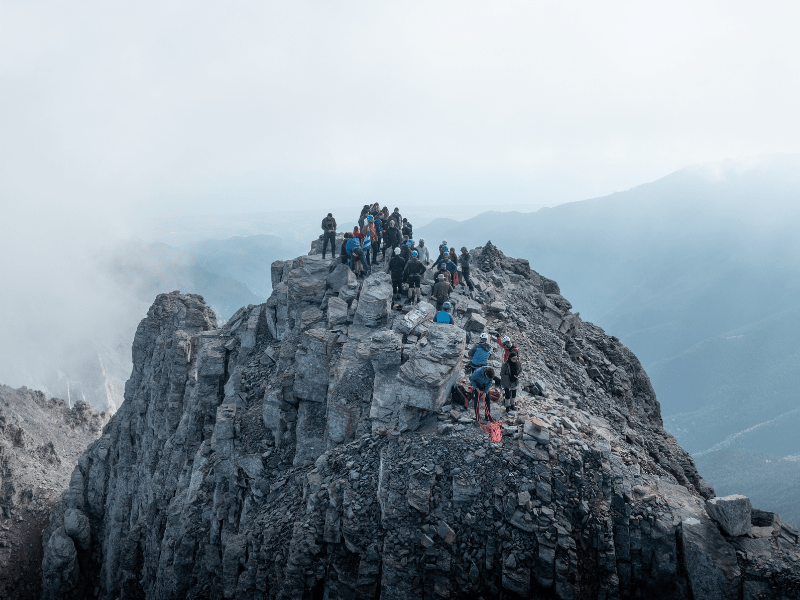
309,448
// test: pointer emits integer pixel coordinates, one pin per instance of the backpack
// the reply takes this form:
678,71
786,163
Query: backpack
461,394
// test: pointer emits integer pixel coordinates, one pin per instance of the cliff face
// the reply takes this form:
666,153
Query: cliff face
41,440
308,449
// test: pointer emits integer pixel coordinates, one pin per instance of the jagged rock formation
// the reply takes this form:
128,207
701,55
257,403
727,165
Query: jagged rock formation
41,440
308,449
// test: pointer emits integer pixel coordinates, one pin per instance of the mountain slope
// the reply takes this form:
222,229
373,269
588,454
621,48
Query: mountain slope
308,449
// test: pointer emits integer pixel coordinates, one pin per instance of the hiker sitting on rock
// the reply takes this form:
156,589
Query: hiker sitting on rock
480,353
356,255
441,291
443,316
413,275
509,377
396,267
481,380
329,235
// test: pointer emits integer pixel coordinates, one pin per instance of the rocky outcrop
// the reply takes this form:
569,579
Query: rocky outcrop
41,440
308,449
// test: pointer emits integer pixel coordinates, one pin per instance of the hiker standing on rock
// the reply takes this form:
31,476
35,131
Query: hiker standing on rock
366,244
508,346
392,237
407,229
465,261
395,216
377,227
396,267
424,255
443,316
413,274
480,353
329,235
441,291
509,377
343,249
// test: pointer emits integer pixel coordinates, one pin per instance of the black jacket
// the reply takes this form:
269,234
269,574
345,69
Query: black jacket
465,260
414,267
328,224
405,253
396,266
392,236
398,220
408,230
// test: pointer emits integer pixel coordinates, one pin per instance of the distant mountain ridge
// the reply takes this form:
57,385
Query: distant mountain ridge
699,274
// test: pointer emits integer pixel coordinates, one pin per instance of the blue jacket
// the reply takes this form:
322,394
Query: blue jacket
351,243
450,266
443,317
479,380
378,228
480,354
367,241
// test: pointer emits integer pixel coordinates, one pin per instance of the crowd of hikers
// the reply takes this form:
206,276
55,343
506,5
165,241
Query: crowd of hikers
365,247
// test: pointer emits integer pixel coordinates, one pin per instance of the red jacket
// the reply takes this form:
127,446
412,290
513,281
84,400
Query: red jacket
506,351
359,234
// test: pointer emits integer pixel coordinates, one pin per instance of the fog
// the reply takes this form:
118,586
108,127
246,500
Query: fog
159,121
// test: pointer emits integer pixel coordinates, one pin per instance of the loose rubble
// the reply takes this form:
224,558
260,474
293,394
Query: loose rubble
309,449
41,440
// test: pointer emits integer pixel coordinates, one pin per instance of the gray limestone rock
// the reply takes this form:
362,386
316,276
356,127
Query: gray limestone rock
286,455
732,513
340,277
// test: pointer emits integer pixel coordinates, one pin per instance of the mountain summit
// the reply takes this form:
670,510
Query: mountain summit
309,449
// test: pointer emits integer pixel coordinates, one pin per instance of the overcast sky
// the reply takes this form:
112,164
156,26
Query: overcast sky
130,109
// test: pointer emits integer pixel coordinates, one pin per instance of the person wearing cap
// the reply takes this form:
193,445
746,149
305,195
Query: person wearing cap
424,255
329,235
480,353
465,261
396,267
443,316
451,267
407,229
441,291
509,377
508,346
413,274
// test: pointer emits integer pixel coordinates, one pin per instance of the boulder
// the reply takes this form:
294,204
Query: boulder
709,560
374,303
76,526
337,311
310,317
476,323
732,513
420,313
340,277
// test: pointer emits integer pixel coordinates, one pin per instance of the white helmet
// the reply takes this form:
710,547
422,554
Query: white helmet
421,240
484,336
444,243
397,250
506,339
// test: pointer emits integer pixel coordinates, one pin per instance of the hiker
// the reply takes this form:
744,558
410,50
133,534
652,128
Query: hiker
396,267
362,217
482,379
366,244
413,275
509,376
451,267
443,316
480,353
424,255
375,210
377,227
442,270
441,291
465,261
329,235
395,216
508,346
407,229
392,237
343,249
351,245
